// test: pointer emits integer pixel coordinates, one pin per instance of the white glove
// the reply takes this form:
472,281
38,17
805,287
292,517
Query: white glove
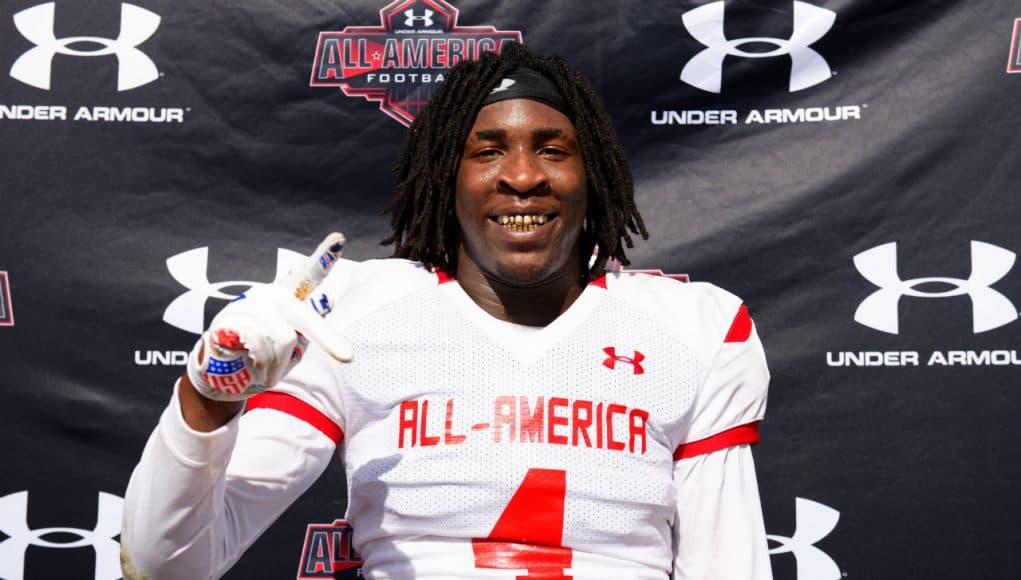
256,339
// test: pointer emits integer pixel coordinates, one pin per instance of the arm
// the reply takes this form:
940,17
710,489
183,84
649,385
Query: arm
200,413
209,481
197,499
718,530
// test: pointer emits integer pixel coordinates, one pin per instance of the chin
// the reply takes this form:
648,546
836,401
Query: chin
525,273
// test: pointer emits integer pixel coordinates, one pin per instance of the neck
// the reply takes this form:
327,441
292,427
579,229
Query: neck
531,305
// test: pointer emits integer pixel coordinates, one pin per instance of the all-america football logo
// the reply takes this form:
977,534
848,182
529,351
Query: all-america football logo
6,310
612,265
1014,60
329,552
401,63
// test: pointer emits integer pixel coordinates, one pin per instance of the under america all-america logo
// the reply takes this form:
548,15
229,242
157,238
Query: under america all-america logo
400,63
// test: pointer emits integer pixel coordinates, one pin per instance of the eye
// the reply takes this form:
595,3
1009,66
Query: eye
485,153
552,151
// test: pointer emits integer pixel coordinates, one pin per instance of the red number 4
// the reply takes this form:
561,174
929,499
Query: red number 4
530,530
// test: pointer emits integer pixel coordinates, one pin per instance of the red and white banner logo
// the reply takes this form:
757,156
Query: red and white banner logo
400,63
1014,61
328,551
6,310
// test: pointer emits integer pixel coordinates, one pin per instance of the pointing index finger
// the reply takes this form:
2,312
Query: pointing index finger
304,315
311,273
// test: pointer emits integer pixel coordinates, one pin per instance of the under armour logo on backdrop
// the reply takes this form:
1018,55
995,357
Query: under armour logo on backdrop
36,24
14,523
612,359
411,18
190,268
990,309
808,68
813,521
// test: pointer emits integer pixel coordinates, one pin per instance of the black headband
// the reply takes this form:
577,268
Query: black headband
525,83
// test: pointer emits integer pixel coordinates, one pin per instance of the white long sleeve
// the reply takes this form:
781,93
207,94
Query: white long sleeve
718,528
196,500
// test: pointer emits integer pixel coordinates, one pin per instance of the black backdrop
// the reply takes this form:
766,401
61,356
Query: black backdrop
197,150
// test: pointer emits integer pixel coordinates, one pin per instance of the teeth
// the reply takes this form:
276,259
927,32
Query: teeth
521,222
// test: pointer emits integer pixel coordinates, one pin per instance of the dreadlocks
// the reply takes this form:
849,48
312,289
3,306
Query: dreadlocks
423,224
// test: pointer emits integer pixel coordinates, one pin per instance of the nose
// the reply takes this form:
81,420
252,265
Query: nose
523,174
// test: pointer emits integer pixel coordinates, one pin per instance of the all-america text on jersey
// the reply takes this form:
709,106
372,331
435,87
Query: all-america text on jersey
517,419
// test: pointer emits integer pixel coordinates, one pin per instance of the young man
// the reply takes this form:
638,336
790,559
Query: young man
510,410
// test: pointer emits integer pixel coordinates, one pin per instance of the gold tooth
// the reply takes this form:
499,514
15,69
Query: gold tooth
516,222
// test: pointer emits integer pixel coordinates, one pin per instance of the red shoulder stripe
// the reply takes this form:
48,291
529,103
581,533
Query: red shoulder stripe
600,282
298,409
741,328
441,276
748,433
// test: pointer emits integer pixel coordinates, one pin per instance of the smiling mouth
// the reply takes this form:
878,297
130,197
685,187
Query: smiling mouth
523,222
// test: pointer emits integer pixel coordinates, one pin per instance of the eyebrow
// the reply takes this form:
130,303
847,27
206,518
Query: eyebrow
548,133
498,134
490,134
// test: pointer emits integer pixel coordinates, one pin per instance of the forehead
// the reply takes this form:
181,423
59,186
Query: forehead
520,114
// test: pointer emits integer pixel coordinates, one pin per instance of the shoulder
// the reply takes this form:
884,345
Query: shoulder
358,288
684,306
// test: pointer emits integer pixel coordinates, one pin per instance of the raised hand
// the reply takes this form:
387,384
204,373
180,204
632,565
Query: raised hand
255,340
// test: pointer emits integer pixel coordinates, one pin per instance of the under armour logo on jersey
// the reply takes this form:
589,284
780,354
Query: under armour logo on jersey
808,68
612,359
990,309
13,523
411,18
813,521
187,311
135,68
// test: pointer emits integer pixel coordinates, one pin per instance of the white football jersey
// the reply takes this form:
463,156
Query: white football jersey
475,447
